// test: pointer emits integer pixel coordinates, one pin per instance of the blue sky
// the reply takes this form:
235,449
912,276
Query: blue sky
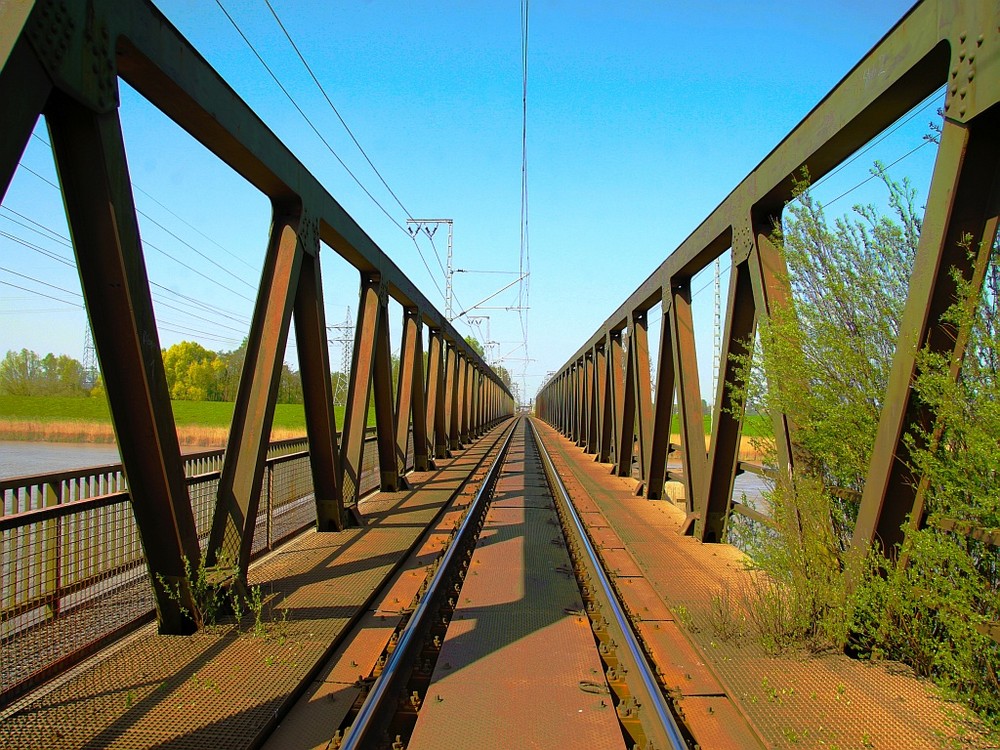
642,116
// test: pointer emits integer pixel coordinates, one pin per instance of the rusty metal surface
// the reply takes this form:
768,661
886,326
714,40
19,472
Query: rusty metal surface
791,700
223,688
517,660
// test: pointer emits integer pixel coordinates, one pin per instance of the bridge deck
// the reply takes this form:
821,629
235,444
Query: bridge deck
226,688
793,699
223,688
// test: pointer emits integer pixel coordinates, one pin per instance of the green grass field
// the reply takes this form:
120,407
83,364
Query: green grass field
218,413
193,413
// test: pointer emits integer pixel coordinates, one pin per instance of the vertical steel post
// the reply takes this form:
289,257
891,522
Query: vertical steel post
405,388
591,397
451,397
639,357
317,396
385,415
616,386
604,408
713,504
685,359
436,424
24,89
625,438
662,407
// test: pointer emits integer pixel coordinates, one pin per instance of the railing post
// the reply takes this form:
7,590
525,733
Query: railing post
270,505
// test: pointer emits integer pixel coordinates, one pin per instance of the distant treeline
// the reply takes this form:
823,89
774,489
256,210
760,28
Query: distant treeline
194,373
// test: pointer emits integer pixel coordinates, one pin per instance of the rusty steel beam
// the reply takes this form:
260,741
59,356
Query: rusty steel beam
604,410
685,359
24,89
359,389
662,408
436,422
391,478
962,204
93,173
616,385
235,517
625,439
591,399
465,399
712,505
639,359
317,396
451,398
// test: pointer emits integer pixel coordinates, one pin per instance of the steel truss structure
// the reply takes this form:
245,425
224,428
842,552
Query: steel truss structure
616,416
62,59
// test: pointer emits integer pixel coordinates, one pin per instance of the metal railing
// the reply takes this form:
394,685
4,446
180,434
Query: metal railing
74,571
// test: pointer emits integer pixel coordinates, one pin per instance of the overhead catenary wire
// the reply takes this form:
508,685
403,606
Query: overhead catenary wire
146,243
306,117
166,208
55,236
335,110
323,139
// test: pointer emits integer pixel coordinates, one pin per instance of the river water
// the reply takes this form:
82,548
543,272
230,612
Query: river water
20,458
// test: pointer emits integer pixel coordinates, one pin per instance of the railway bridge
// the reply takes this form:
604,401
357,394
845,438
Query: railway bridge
463,574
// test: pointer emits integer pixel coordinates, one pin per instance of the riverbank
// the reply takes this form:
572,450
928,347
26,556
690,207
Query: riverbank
72,431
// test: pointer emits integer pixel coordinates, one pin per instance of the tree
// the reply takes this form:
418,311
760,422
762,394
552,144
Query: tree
827,358
24,373
20,373
193,372
476,346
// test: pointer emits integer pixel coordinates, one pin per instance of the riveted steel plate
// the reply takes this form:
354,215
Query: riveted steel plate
641,600
717,724
682,666
604,537
619,562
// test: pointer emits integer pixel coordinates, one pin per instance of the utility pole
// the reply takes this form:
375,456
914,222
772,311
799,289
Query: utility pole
430,227
489,344
89,357
717,338
345,337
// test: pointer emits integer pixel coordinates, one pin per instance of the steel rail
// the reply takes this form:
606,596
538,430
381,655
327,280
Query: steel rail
654,698
388,683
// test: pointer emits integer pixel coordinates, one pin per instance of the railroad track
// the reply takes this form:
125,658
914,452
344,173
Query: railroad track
516,637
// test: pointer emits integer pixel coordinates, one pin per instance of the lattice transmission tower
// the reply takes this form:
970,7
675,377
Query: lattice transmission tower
344,337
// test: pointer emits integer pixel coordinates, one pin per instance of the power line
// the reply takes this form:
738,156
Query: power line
305,116
159,203
524,266
146,243
335,110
